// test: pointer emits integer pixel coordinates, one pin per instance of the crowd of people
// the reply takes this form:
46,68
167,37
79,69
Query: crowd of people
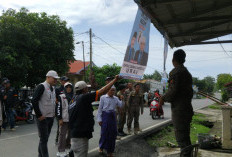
72,107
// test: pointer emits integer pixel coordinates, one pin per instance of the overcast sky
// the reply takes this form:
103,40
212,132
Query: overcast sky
112,21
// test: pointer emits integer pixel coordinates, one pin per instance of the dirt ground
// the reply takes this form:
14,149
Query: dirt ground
143,149
212,115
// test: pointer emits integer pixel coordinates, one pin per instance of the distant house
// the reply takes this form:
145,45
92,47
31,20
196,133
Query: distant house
76,71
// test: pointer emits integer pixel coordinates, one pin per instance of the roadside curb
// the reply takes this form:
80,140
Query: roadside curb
148,131
145,132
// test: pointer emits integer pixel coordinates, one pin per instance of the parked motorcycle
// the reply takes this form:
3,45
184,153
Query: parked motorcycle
23,112
155,110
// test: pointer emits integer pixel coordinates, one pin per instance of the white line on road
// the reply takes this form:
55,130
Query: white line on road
10,138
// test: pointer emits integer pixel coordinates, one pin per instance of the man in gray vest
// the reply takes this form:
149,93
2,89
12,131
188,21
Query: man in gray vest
44,101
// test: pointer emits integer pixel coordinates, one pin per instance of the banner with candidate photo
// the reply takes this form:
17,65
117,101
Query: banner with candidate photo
136,56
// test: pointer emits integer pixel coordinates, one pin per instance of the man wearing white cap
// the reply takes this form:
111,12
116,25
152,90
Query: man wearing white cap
81,117
44,101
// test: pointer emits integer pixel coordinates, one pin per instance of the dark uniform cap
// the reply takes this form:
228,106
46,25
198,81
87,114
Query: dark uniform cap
64,78
109,78
121,86
4,78
6,81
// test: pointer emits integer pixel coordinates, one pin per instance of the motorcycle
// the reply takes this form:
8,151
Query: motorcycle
155,110
23,112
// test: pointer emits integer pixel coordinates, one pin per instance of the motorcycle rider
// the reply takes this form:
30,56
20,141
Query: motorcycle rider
157,96
9,100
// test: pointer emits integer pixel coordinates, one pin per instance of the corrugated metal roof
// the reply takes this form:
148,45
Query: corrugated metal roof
189,22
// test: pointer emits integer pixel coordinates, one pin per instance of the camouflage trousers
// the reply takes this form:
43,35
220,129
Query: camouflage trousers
133,114
121,119
182,131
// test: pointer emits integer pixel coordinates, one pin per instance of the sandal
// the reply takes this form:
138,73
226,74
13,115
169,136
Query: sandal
100,151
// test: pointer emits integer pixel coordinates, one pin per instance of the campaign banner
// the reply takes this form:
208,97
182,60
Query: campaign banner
165,52
164,80
136,56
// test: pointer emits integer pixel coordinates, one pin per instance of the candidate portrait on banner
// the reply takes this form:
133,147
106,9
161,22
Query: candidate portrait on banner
141,56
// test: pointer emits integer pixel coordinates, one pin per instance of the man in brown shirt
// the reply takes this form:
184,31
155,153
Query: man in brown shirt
180,95
135,104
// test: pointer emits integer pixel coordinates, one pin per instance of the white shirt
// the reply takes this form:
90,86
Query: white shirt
107,104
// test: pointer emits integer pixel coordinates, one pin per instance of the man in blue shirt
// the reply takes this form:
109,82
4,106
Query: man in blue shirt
106,118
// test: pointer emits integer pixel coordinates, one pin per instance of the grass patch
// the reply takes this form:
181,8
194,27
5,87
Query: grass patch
215,106
161,138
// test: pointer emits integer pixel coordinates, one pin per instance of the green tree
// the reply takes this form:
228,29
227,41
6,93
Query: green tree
155,76
101,73
207,84
31,44
199,83
222,79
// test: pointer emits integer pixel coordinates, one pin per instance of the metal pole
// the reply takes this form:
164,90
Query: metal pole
90,39
83,57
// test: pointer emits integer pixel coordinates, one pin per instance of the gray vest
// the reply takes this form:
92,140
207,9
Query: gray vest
65,115
47,101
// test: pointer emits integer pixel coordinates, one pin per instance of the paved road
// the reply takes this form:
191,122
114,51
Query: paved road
24,141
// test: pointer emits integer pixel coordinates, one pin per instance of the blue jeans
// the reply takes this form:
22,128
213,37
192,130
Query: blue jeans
44,128
10,118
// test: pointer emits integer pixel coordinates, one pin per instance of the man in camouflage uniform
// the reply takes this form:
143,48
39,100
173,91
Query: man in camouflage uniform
135,103
180,95
127,94
121,111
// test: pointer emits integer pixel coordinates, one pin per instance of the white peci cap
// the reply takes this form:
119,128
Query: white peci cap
80,85
67,83
53,74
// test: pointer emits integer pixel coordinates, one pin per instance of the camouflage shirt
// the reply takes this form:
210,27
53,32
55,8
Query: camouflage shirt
136,99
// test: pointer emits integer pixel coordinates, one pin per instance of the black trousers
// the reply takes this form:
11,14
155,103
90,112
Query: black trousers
182,131
44,129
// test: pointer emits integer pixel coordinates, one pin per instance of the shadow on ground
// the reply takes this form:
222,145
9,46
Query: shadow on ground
134,148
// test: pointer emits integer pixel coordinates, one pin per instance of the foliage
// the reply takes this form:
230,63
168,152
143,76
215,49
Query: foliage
101,73
222,79
207,84
155,76
161,138
225,96
31,44
215,106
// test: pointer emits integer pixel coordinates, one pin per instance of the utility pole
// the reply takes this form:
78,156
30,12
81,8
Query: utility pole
83,48
91,76
83,57
90,52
